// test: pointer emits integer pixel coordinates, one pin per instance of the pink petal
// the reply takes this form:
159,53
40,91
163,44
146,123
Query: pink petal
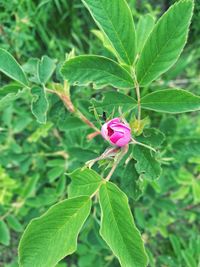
104,131
115,137
113,121
123,141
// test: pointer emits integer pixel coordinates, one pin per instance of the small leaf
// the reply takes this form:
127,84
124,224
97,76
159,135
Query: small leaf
196,191
115,20
143,30
14,223
185,148
131,184
84,182
100,71
4,234
53,236
168,126
30,186
55,173
115,100
118,228
82,154
71,124
39,105
46,68
31,69
152,137
171,101
10,67
9,93
165,42
184,177
188,258
146,164
175,244
181,193
138,126
60,188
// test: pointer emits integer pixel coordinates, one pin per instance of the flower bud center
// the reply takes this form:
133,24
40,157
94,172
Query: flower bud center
110,131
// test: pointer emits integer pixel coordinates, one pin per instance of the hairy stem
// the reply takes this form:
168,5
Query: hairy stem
118,159
65,97
137,88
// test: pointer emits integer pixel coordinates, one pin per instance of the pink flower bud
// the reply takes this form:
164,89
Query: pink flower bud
116,132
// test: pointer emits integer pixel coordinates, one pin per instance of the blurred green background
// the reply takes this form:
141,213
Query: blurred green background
34,158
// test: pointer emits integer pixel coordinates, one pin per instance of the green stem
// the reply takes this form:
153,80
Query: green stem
116,163
137,88
141,144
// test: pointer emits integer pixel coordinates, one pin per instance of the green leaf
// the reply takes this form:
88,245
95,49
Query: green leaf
10,67
118,228
100,71
184,177
115,20
39,105
171,101
169,125
53,236
105,41
130,182
4,234
82,154
14,223
30,186
165,42
9,93
41,132
146,164
196,191
55,173
84,182
181,193
186,147
60,188
143,30
46,68
175,244
71,124
115,100
152,137
188,258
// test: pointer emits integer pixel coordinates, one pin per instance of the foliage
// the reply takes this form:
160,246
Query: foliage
55,169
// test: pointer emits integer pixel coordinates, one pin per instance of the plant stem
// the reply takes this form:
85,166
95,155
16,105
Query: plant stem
86,121
65,97
118,159
141,144
107,154
137,88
